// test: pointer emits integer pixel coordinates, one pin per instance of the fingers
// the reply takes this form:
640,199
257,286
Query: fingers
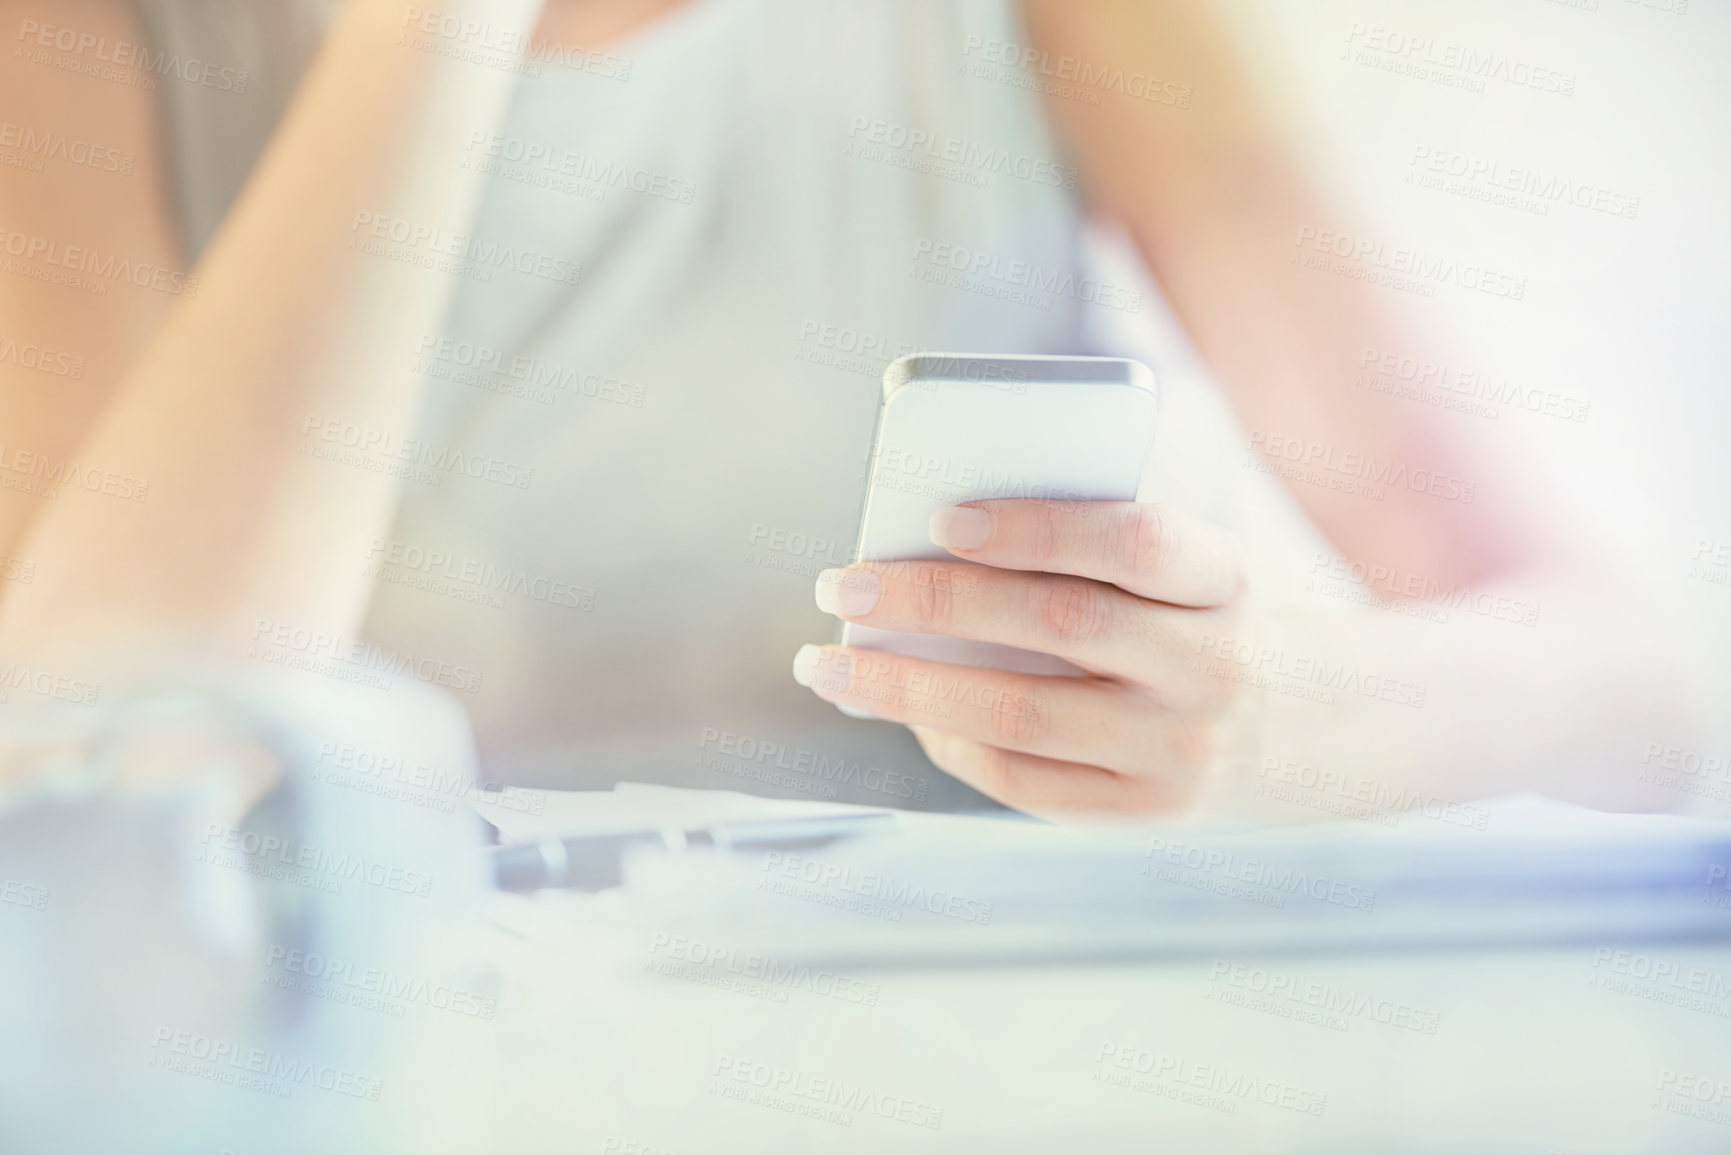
1090,720
1046,787
1150,552
1091,624
1127,592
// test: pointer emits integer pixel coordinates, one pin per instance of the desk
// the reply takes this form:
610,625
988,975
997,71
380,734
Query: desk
567,1023
620,1037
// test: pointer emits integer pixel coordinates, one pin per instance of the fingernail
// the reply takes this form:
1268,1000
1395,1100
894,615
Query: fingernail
805,664
847,593
961,527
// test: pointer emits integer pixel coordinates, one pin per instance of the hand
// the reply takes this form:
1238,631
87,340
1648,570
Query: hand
1127,592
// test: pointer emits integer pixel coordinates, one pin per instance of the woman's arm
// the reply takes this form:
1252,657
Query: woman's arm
1239,703
293,327
63,347
1216,202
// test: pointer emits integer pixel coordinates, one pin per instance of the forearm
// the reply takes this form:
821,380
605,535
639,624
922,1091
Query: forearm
293,324
1538,683
1220,207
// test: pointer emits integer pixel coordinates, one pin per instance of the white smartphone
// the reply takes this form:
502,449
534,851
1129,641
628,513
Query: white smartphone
955,428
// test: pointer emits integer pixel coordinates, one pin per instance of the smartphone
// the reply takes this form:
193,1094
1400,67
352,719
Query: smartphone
954,428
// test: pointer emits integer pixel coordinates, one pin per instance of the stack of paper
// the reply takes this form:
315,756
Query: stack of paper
974,890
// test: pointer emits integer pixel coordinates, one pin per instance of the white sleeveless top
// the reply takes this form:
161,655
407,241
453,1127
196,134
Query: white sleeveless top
726,241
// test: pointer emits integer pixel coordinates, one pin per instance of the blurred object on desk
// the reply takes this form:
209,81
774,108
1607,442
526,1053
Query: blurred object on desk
989,893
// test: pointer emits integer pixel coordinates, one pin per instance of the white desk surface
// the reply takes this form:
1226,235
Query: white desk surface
1533,1051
